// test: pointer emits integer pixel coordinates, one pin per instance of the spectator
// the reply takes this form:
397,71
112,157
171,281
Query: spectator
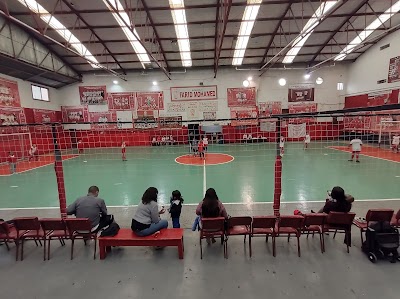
92,207
175,209
12,160
147,219
339,202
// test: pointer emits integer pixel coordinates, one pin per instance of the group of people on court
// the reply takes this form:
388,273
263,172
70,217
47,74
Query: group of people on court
199,147
33,155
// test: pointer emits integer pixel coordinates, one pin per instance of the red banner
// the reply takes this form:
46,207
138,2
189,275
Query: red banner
12,116
43,116
240,116
269,108
150,100
385,97
302,108
357,123
394,70
301,93
9,95
121,100
75,114
92,95
241,96
101,120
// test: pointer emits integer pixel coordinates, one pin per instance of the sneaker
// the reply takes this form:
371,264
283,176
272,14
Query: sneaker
358,161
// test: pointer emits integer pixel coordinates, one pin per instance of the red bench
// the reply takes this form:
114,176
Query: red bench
125,237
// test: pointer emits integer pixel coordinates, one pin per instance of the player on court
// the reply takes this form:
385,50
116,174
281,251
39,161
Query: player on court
200,149
80,147
307,140
205,142
33,153
123,151
282,145
355,144
395,143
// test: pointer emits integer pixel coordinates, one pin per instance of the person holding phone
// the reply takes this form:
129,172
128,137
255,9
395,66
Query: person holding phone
147,220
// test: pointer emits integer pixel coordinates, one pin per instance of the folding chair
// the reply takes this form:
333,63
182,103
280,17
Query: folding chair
290,225
263,225
238,226
396,220
7,233
28,228
80,228
210,228
373,215
340,222
314,223
53,228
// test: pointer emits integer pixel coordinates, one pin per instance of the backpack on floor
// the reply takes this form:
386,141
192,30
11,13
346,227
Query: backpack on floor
111,230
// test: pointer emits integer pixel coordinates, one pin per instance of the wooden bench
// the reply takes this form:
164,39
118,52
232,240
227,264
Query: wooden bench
125,237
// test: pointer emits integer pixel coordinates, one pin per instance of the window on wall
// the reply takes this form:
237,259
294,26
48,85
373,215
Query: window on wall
340,86
40,93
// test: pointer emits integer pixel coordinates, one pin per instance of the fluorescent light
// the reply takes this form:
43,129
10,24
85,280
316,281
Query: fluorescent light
368,31
246,83
115,82
307,76
122,19
308,29
282,81
246,26
181,29
67,35
319,81
249,78
155,83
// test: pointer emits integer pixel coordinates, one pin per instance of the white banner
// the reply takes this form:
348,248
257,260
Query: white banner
194,93
267,126
297,131
208,106
176,107
192,111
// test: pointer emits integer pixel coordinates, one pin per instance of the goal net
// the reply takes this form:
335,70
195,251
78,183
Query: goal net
388,129
17,143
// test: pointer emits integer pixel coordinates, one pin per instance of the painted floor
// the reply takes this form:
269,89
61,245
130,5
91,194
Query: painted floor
307,174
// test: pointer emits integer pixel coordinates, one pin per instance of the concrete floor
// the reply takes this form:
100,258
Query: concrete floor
146,273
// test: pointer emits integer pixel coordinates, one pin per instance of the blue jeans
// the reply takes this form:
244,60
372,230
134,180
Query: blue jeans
154,227
175,223
13,167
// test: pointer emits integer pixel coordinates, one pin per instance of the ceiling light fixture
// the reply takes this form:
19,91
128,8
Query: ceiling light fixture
246,83
67,35
307,76
250,78
319,81
123,20
155,83
308,29
115,82
282,81
246,26
181,29
378,22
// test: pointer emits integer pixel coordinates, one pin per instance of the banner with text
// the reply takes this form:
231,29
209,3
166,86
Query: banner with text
170,122
394,70
176,107
100,120
121,100
75,114
297,131
209,115
43,116
12,116
301,93
9,95
241,96
269,108
194,93
150,100
267,125
93,95
145,120
302,108
192,111
244,116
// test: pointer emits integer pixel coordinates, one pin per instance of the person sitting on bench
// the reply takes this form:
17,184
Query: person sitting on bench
147,219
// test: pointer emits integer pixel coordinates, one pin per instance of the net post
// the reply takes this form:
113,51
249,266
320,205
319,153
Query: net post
58,168
278,172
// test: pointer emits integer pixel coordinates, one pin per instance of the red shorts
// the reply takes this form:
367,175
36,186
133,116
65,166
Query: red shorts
356,152
123,150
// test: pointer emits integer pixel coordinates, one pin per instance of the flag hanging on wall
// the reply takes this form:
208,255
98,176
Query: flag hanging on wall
93,95
9,95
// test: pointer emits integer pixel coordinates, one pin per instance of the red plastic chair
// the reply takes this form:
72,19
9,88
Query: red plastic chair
7,233
373,215
315,223
290,225
263,225
28,228
340,222
238,226
80,228
54,228
396,220
210,228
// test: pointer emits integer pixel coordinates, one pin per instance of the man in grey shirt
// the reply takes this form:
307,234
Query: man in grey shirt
91,207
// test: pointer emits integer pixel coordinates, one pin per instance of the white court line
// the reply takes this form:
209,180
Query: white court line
30,169
204,177
364,155
226,203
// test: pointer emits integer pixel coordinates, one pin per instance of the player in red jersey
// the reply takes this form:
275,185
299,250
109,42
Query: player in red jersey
123,151
200,149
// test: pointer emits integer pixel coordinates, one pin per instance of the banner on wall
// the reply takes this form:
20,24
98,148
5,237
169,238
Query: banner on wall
43,116
9,95
297,131
267,126
192,111
12,116
394,70
170,122
176,107
301,93
209,115
244,116
145,120
100,120
302,108
210,106
150,100
75,114
241,96
93,95
194,93
121,100
267,109
383,98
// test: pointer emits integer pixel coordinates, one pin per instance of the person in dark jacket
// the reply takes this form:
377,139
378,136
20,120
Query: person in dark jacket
176,208
339,202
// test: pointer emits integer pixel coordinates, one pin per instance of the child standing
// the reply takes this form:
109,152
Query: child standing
282,145
12,160
395,143
307,140
200,149
355,144
176,208
123,151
